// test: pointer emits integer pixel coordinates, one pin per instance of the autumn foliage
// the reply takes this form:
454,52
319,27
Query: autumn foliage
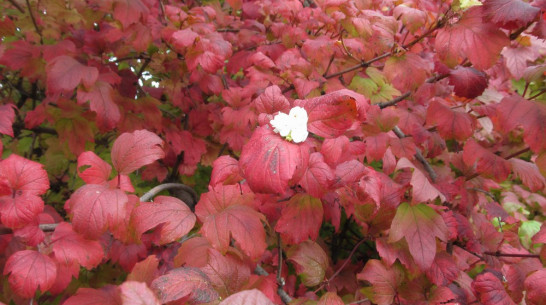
417,174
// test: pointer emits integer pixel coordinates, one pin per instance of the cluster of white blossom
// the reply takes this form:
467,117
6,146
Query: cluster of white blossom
292,126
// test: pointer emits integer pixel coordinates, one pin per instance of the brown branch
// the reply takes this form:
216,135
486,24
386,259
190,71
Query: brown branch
419,156
342,266
34,22
46,227
280,281
499,254
167,186
17,6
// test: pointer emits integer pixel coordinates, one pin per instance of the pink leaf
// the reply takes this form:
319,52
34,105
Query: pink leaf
310,261
330,298
29,271
384,281
451,124
423,190
184,282
487,162
132,151
514,111
145,270
467,82
247,297
225,170
108,295
70,247
7,117
510,14
64,73
21,174
174,216
98,171
491,290
101,101
528,173
271,164
301,219
227,273
331,115
272,101
318,177
534,285
135,293
444,270
419,225
471,37
129,11
97,208
226,213
20,210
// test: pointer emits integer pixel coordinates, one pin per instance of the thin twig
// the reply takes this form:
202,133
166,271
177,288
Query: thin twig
499,254
280,281
418,156
34,22
167,186
342,266
17,6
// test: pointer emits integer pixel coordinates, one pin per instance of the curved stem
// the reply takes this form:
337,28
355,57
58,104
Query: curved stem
167,186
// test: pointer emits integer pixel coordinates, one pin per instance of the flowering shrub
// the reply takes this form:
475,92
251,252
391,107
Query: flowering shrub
272,152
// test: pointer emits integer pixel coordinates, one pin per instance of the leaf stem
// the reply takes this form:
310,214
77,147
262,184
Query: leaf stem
280,281
34,22
166,186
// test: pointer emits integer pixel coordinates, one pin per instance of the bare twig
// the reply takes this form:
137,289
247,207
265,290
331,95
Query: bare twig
17,6
499,254
34,22
418,156
167,186
280,281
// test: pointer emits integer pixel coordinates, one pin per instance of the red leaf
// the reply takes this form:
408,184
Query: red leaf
225,170
534,285
467,82
451,124
471,37
301,219
247,297
108,295
403,147
132,151
226,213
64,73
184,282
444,270
98,171
310,261
528,173
510,14
193,253
145,270
24,175
397,69
423,190
514,111
330,298
7,117
491,290
384,281
318,177
272,101
97,208
135,293
70,247
20,210
101,101
127,255
331,115
174,216
29,271
419,225
271,164
24,56
228,274
487,162
129,11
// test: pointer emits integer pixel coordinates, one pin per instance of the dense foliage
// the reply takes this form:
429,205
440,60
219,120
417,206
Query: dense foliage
317,152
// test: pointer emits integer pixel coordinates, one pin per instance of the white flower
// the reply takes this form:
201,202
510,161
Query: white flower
292,126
